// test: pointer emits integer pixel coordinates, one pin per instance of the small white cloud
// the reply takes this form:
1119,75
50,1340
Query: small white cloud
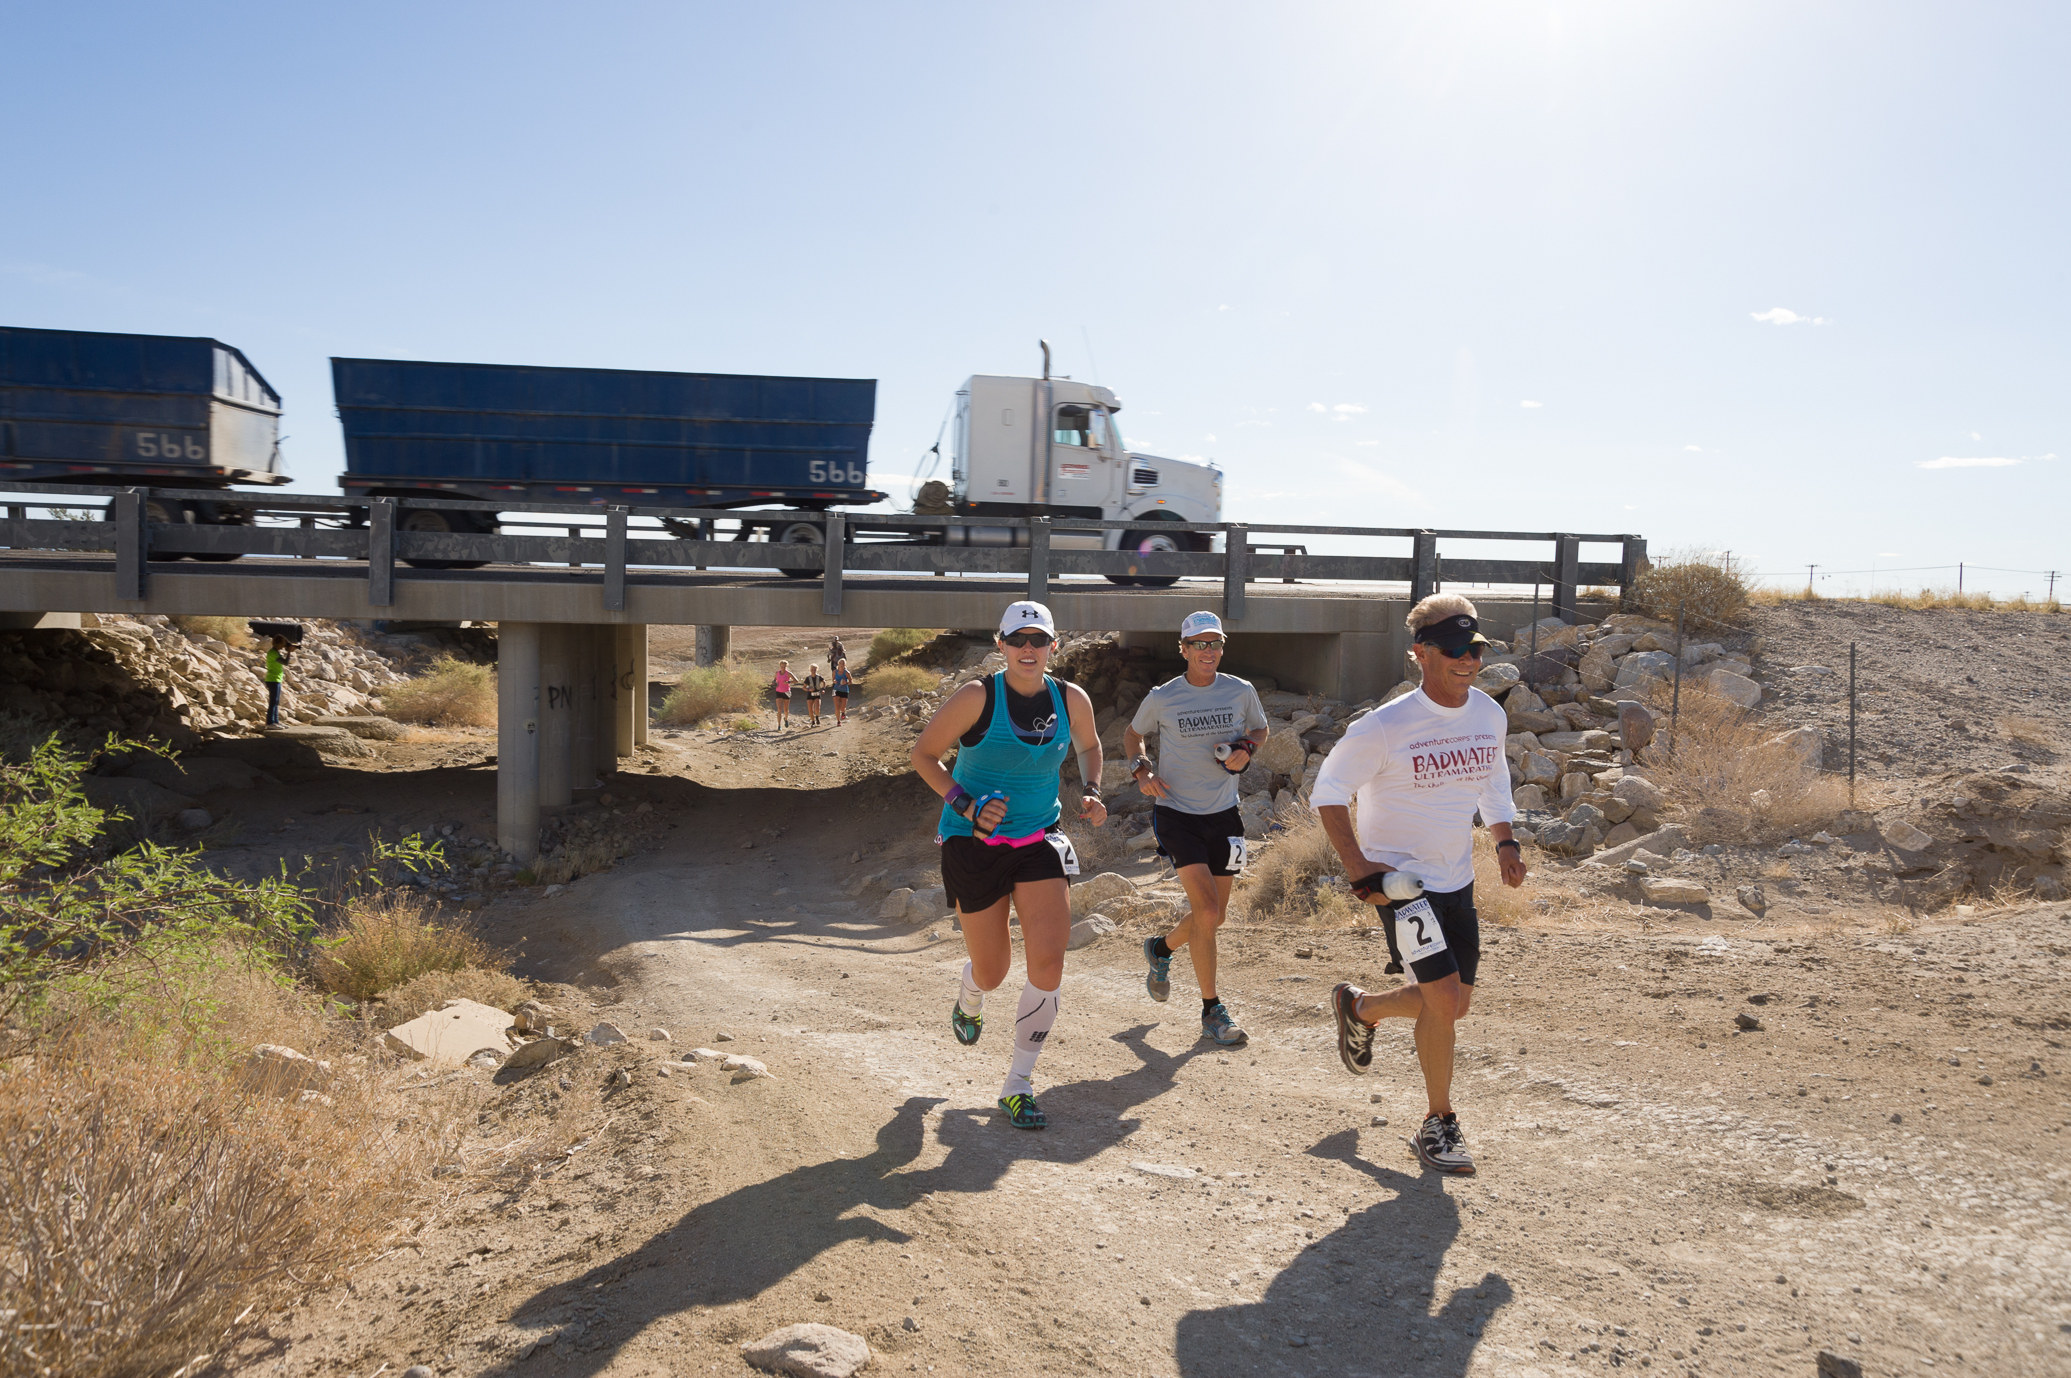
1966,462
1366,442
1318,406
1887,555
1209,438
1694,449
1783,315
1348,409
1531,406
1224,307
1975,436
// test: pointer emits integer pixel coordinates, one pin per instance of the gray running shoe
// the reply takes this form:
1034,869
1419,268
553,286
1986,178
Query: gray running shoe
1355,1035
1159,980
1220,1026
1441,1145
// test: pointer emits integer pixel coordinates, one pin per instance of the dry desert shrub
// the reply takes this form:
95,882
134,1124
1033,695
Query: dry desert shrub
1974,602
895,681
390,939
1495,902
893,642
1290,881
707,690
452,693
1709,587
1731,785
229,630
2027,730
422,994
581,856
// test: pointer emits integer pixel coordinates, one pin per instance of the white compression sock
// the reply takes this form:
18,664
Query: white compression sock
972,1001
1032,1023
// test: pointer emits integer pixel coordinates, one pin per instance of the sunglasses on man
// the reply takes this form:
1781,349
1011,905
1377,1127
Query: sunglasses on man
1213,643
1026,639
1472,648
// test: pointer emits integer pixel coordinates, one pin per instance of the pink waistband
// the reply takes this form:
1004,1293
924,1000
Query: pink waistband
997,841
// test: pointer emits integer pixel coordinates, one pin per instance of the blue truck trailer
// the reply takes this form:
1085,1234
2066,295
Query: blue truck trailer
602,436
170,411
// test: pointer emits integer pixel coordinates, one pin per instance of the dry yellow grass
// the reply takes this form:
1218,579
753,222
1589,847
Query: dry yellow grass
894,681
453,693
1720,764
707,690
421,994
1709,587
229,630
2027,730
389,940
1921,600
893,642
1282,885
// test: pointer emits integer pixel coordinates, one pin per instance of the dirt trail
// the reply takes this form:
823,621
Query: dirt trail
1655,1188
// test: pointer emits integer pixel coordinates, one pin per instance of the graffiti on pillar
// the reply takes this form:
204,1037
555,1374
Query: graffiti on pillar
560,696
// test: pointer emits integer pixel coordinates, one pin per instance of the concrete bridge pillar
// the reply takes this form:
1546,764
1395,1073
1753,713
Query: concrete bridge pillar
556,713
627,692
713,643
584,756
640,700
517,740
604,709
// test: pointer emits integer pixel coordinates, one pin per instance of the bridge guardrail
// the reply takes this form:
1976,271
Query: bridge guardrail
373,531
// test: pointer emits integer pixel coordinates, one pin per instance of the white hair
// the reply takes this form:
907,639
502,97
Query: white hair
1437,608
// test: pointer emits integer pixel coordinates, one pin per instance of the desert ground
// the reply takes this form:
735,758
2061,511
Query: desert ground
1880,1171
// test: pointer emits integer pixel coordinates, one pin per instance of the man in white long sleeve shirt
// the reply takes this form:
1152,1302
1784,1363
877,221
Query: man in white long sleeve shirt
1420,768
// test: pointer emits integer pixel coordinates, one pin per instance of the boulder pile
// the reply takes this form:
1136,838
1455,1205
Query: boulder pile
1980,832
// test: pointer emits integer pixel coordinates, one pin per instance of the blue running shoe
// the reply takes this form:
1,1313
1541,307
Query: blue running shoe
966,1027
1218,1024
1021,1110
1159,981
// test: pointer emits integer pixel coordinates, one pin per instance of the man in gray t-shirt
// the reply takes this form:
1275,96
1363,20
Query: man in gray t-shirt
1208,726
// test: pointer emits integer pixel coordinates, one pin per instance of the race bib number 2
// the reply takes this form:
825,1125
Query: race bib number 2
1065,853
1417,930
1238,855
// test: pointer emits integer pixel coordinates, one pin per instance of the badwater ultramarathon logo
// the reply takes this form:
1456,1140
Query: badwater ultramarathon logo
1447,759
1206,724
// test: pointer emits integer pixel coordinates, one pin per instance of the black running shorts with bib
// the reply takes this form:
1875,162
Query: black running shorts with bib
1214,840
1450,917
977,875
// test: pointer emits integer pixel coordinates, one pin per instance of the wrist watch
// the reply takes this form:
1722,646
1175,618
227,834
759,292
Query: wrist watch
1140,763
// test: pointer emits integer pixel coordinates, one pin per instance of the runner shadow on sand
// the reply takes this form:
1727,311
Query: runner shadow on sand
741,1244
1357,1301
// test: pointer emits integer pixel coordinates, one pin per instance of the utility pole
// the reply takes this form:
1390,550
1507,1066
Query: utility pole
2052,586
1808,577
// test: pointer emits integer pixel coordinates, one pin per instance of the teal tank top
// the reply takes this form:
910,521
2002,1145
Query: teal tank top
1027,775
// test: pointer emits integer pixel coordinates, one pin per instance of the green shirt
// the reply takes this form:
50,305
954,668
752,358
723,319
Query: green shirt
276,668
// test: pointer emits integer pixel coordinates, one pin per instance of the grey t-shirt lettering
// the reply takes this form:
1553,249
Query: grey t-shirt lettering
1189,721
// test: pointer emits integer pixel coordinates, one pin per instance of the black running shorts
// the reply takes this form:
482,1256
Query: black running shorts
1450,919
1214,840
977,875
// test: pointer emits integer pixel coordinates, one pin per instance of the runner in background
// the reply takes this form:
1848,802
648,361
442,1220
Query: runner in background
780,693
1208,726
1000,835
842,685
814,687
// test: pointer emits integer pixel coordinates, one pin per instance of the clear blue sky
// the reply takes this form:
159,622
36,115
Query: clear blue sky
1453,264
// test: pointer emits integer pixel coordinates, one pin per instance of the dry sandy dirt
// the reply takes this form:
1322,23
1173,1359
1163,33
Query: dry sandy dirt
1881,1171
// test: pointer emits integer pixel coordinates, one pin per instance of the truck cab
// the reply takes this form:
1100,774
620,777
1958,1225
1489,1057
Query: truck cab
1052,447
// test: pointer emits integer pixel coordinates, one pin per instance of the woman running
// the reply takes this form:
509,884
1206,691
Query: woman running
1000,837
780,693
815,686
842,685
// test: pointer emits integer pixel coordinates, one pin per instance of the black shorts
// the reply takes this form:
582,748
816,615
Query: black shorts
1214,840
977,875
841,693
1458,925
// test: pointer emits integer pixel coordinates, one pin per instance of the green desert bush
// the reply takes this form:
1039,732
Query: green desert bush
1710,588
390,939
894,680
707,690
452,693
893,642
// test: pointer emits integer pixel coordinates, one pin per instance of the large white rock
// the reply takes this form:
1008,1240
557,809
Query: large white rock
1599,669
449,1035
1671,890
895,902
274,1069
1497,680
331,741
1540,770
1638,792
1738,690
1595,739
809,1351
1089,930
1645,665
925,905
744,1068
1907,838
1529,797
1094,891
1283,753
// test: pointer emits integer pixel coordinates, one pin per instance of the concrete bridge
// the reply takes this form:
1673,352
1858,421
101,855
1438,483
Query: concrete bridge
572,611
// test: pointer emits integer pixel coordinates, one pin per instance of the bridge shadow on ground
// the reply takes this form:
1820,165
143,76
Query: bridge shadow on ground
1356,1302
743,1243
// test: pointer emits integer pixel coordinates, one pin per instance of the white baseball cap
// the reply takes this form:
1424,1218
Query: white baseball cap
1199,622
1022,616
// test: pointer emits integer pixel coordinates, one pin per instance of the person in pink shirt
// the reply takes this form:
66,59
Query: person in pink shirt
780,692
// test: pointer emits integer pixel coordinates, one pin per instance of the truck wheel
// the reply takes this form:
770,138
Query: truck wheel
432,519
1151,543
801,533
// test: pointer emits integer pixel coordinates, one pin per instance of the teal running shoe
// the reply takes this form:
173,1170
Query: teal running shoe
1218,1024
1159,981
1021,1110
966,1027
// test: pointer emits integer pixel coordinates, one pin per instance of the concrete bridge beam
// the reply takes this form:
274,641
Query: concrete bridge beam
517,740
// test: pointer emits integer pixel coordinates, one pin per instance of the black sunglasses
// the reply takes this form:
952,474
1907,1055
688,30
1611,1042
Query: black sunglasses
1472,648
1215,643
1026,639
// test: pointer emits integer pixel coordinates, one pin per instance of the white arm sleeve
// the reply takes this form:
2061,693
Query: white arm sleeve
1358,757
1496,804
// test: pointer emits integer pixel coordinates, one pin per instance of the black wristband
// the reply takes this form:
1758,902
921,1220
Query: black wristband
1511,842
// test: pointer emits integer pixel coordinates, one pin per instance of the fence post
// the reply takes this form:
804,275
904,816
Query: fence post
1633,560
1851,724
1236,570
1567,556
830,581
1038,559
1423,580
615,559
132,544
381,552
